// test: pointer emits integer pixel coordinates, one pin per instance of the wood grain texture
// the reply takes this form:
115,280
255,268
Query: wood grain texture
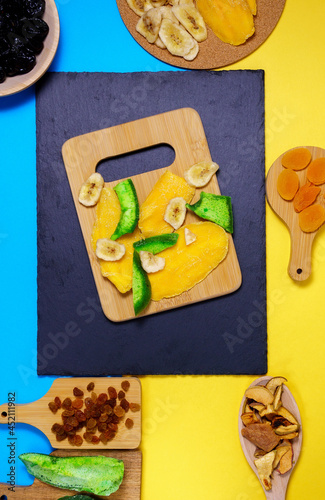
183,130
279,481
213,53
300,264
39,415
130,488
15,84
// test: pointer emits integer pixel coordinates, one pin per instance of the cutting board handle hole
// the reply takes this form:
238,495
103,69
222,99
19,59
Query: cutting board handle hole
3,414
151,158
299,271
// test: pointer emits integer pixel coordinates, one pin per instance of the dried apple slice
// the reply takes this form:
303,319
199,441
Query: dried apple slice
260,394
277,397
274,382
280,450
292,435
264,467
282,430
286,461
250,418
256,406
268,412
283,412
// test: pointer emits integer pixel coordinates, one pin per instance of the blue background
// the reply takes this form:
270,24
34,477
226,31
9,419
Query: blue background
93,38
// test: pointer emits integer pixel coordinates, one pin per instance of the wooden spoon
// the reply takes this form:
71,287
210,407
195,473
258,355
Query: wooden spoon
301,243
279,481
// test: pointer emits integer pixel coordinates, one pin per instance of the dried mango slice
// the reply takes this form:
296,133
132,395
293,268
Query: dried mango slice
231,20
108,211
187,265
152,211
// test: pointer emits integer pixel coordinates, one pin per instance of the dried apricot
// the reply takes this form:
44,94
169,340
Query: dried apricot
296,159
287,184
78,392
125,385
316,171
312,218
129,423
305,197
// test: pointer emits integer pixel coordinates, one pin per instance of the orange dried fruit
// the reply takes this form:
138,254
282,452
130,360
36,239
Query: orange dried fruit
316,171
312,218
305,197
287,184
296,159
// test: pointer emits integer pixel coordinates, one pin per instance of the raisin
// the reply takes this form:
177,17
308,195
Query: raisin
102,427
88,437
95,439
68,427
57,402
67,413
103,438
61,437
108,409
112,402
119,411
66,403
71,433
53,407
109,435
113,427
87,413
60,430
102,398
90,386
112,393
91,423
72,421
95,413
55,428
121,395
78,440
125,385
125,405
115,419
94,397
89,403
129,423
80,416
77,403
78,392
103,417
134,407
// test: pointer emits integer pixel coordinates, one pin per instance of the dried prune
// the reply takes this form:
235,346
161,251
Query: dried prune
78,392
125,405
129,423
119,411
34,8
112,393
53,407
121,395
125,385
90,386
134,407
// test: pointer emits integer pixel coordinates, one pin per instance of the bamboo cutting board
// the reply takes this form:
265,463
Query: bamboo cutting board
39,415
300,263
183,130
130,488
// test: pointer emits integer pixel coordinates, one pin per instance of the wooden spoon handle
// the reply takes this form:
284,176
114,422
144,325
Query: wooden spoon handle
276,495
299,268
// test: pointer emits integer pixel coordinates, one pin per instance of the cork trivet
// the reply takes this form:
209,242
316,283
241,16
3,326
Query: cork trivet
213,52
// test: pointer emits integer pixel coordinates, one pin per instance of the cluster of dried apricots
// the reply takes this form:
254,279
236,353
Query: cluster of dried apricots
311,214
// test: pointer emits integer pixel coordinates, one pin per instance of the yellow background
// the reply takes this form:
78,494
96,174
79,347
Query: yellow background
190,436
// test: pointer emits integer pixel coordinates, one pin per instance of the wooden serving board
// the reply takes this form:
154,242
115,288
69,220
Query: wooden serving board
183,130
279,481
213,53
39,415
300,264
130,488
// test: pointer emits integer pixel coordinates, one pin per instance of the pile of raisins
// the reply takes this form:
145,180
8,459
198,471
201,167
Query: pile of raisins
100,414
22,32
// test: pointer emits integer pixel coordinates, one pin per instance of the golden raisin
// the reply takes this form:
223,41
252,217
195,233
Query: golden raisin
78,440
134,407
119,411
94,397
125,385
91,423
77,403
129,423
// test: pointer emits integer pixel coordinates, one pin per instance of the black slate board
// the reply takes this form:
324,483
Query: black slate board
226,335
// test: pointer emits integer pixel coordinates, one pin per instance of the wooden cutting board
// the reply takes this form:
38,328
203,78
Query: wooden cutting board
39,415
300,263
130,488
182,129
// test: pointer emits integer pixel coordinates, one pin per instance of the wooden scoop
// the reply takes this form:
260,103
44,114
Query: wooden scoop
279,481
39,415
299,268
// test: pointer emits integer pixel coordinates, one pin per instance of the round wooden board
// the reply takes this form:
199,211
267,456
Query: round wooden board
300,264
15,84
213,52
